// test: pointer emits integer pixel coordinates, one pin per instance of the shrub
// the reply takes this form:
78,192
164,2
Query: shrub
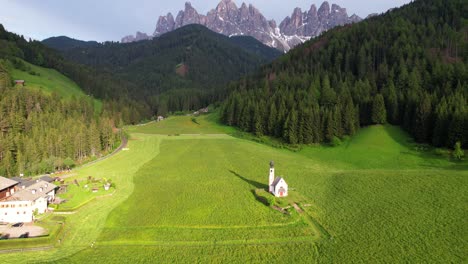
458,151
335,142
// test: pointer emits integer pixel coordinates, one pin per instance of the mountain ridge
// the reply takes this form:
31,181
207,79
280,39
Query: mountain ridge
230,20
185,69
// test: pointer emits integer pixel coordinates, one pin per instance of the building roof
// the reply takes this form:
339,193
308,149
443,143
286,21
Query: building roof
27,183
277,180
47,178
6,183
18,179
33,192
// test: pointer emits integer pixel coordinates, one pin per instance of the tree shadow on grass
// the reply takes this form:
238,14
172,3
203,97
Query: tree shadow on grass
257,185
430,159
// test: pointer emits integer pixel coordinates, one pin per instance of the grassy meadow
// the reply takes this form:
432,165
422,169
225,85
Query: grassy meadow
189,197
178,125
50,81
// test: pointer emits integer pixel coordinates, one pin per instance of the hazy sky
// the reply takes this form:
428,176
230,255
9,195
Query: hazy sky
103,20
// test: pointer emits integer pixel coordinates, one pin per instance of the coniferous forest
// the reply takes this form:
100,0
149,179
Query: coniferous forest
183,70
406,67
41,133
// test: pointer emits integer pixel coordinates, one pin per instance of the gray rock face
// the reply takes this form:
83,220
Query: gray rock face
230,20
314,22
138,37
164,25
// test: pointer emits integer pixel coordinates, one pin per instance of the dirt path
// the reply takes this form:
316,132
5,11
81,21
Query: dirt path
4,251
298,209
122,146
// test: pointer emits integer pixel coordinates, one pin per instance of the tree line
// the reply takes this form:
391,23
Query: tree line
406,67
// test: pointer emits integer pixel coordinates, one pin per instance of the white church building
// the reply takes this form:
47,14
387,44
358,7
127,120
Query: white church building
277,186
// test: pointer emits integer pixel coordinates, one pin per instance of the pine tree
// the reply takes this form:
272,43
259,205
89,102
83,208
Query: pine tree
379,114
458,151
422,124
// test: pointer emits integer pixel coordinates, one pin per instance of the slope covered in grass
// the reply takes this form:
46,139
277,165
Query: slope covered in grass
49,81
382,147
205,124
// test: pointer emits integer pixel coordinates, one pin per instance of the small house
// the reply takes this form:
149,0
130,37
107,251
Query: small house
159,119
20,82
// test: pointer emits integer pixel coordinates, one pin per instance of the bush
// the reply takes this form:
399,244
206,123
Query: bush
335,142
458,152
69,163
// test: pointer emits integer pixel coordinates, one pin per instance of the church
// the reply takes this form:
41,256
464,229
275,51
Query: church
277,186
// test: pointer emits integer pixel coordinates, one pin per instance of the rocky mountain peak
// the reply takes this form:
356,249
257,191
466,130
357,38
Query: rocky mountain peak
165,24
139,36
230,20
324,11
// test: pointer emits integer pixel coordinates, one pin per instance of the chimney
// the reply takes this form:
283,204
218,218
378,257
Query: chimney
41,189
33,191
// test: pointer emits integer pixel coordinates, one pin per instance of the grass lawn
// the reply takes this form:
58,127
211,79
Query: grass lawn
50,81
189,198
78,196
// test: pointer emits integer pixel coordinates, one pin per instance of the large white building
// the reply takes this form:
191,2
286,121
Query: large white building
277,186
25,199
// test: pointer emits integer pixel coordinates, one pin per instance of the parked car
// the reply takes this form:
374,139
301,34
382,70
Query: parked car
18,225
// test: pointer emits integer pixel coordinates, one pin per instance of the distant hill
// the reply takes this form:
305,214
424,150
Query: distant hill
190,67
253,45
65,43
114,92
407,67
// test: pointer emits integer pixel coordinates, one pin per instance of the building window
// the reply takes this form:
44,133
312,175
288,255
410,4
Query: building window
17,213
24,212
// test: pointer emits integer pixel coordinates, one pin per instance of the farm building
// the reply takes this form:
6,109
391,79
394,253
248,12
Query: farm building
277,186
7,187
25,198
159,119
20,82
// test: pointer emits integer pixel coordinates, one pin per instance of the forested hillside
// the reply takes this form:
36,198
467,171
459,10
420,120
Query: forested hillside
115,92
182,70
407,67
42,133
66,43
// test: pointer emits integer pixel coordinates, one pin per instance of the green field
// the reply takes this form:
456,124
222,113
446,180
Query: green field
189,198
50,81
180,125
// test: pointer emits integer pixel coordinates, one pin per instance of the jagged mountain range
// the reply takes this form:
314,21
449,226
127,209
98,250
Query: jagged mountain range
230,20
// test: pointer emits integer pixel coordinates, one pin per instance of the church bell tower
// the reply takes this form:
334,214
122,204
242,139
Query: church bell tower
271,177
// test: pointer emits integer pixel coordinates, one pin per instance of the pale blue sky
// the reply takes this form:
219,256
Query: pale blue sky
103,20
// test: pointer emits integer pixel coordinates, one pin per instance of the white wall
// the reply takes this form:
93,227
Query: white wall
41,205
280,184
16,211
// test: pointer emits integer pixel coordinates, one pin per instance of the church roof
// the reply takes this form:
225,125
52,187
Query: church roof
277,180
